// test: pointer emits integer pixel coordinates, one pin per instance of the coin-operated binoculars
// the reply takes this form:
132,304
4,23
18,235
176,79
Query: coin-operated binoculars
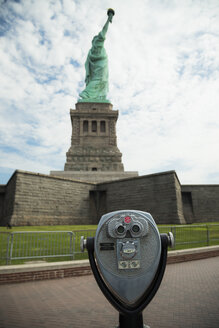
131,258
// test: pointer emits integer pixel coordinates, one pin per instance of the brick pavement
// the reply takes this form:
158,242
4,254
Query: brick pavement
188,297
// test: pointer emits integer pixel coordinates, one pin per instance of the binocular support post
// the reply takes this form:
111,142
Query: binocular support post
131,317
133,320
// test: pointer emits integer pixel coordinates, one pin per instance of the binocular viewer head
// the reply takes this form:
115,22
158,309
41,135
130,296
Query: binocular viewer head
128,251
124,225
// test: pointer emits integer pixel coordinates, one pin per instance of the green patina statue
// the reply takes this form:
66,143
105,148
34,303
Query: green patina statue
96,67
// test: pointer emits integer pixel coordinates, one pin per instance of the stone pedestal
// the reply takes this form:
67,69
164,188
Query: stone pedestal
95,177
93,142
94,155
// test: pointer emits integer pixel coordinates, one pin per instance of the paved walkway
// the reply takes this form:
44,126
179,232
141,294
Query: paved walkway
188,297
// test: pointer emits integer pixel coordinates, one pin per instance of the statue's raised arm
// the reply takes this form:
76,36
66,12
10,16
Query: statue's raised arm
96,67
110,14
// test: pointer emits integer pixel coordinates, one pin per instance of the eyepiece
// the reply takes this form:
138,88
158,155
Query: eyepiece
135,228
120,229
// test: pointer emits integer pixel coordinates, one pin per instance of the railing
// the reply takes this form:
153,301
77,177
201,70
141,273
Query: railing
20,247
86,233
38,245
4,247
189,236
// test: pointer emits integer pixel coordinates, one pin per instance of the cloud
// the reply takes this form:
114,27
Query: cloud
164,72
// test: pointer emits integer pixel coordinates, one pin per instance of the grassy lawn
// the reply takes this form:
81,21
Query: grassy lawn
66,240
50,228
27,242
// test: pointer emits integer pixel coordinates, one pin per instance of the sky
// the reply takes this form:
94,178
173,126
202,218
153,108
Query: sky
163,61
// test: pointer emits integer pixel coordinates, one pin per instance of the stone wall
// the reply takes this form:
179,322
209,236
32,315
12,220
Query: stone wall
2,199
96,177
155,193
8,200
44,200
180,210
200,203
38,199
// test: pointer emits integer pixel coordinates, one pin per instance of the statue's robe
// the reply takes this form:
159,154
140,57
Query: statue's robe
96,71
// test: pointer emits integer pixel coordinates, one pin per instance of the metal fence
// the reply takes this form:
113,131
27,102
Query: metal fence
189,236
4,244
37,245
20,247
78,255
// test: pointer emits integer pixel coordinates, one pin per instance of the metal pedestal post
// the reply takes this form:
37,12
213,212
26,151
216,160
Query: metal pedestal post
130,318
131,321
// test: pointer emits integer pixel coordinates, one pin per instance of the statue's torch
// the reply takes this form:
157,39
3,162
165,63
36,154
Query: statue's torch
110,13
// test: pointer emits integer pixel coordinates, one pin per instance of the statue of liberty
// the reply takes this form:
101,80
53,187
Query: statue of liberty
96,67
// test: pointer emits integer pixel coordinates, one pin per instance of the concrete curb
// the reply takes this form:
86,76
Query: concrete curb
41,271
192,254
43,266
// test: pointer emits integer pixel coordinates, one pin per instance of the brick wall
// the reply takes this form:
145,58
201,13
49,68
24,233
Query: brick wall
22,273
44,274
155,193
44,200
